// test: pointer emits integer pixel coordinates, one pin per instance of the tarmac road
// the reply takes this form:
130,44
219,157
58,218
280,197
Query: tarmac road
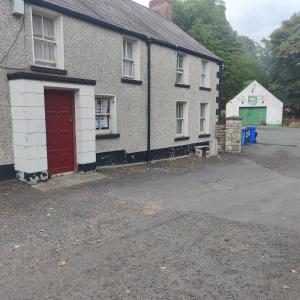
157,232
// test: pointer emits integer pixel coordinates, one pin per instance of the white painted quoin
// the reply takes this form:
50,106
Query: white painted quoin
255,96
29,126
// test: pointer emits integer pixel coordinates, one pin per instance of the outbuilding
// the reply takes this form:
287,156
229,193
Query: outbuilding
256,106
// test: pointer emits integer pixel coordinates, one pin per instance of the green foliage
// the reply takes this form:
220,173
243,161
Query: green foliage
205,21
284,61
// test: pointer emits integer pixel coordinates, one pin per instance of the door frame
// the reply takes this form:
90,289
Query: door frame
75,166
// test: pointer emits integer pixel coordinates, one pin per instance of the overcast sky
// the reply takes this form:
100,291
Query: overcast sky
256,18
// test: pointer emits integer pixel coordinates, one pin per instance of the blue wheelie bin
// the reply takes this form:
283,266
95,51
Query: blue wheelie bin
244,136
252,134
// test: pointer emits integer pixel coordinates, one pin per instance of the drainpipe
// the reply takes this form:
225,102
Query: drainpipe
219,110
148,42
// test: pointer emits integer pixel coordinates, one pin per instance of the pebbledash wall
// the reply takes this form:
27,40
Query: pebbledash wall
94,55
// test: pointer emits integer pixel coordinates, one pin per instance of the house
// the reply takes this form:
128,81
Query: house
256,106
99,82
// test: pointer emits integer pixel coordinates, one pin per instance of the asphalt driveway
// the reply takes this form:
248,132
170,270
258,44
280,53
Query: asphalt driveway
157,232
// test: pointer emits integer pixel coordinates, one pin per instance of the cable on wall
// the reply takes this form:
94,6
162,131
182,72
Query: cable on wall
11,48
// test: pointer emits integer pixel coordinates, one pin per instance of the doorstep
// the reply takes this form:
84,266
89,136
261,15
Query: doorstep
67,180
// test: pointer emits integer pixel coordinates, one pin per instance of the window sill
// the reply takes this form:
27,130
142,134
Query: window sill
131,81
181,85
181,138
107,136
40,69
203,136
202,88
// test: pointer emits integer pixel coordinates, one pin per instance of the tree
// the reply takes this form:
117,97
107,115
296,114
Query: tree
284,46
205,21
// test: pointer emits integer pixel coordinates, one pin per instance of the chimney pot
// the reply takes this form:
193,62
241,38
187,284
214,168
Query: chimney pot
163,7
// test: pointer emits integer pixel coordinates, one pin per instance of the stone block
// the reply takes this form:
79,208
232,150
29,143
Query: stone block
199,153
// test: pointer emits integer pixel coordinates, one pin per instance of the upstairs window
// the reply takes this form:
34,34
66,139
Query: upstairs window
128,59
204,118
205,74
44,40
181,118
48,41
182,69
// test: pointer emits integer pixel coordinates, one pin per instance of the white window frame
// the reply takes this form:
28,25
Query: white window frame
59,39
135,59
184,118
205,73
204,117
112,114
182,70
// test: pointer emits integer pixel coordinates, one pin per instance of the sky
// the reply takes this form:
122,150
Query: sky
256,18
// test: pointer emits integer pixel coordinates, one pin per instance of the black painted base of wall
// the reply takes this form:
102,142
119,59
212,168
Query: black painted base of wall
103,159
7,172
32,178
87,168
122,157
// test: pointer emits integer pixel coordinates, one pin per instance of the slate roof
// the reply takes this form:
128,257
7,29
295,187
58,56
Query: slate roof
132,17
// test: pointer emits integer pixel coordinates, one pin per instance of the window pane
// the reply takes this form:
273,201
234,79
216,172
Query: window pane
98,122
124,49
203,80
179,110
128,68
37,25
179,126
38,49
129,50
49,51
203,67
179,77
104,106
102,122
49,28
98,106
180,61
202,125
202,110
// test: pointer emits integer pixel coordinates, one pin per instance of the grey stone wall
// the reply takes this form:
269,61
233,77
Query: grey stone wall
233,135
221,137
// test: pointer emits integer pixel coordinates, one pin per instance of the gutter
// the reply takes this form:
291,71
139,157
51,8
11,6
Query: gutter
148,156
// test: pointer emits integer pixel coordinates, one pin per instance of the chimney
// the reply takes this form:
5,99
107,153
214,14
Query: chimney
163,7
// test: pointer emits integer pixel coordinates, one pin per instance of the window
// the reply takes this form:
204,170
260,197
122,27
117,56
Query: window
128,59
205,82
204,118
44,40
47,38
181,118
180,68
104,115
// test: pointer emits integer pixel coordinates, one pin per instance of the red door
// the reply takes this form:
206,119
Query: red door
60,131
